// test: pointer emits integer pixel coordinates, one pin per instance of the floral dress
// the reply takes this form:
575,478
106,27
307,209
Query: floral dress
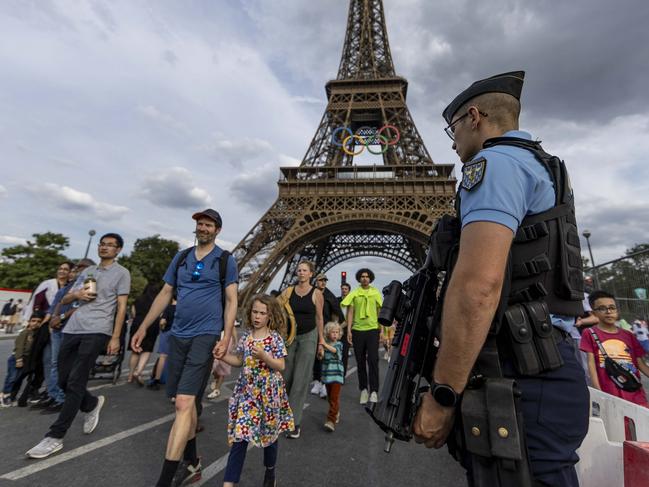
258,409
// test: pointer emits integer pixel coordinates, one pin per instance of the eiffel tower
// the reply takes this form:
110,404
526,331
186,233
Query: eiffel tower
328,209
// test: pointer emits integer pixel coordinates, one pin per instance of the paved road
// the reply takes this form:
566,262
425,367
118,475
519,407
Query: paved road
128,446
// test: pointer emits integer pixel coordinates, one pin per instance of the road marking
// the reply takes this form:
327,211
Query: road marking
82,450
219,465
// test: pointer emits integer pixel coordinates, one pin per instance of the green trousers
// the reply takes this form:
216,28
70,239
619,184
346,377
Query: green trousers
298,371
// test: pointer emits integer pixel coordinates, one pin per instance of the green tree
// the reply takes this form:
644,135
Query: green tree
25,266
150,257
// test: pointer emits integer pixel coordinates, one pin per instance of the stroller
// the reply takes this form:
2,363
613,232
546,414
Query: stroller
109,367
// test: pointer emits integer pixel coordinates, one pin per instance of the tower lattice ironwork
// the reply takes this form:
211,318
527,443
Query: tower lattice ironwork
329,209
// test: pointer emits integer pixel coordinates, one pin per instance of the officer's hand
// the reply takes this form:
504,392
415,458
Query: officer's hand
433,422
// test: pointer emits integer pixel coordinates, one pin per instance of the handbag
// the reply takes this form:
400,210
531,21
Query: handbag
622,377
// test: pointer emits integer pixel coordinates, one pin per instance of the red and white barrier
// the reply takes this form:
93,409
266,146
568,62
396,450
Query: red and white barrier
616,449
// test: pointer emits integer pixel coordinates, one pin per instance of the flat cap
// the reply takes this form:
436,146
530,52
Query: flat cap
211,214
510,83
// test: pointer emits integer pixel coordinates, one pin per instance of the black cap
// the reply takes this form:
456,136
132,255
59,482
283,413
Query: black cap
510,83
211,214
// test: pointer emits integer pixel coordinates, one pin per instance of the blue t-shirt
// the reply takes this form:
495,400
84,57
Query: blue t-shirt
199,310
514,185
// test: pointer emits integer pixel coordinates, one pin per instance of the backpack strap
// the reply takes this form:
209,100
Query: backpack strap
181,261
223,268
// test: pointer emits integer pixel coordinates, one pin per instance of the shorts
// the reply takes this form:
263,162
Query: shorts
163,343
189,362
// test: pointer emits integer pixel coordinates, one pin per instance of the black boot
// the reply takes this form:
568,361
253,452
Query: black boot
269,478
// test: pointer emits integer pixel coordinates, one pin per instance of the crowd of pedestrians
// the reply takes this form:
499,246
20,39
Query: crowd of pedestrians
294,341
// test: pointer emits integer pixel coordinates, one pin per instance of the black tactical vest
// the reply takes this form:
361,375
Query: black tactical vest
545,257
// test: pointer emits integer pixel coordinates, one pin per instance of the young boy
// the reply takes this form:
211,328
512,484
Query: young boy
333,375
18,359
620,345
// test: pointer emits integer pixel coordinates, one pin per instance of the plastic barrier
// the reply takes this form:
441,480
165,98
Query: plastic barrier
636,464
612,421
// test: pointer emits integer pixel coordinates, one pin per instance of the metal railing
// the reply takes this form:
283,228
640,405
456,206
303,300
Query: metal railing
627,278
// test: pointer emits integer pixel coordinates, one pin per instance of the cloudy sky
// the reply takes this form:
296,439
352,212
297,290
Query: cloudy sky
129,115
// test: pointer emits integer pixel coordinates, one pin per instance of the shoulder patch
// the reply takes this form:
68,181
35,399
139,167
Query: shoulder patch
473,173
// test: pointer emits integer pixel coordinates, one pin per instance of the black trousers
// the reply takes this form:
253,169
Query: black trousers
77,357
346,346
366,350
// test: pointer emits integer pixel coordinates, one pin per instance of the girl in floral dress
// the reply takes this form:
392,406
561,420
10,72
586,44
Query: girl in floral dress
258,409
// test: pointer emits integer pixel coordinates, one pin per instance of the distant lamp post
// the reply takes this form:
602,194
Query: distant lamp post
91,234
587,234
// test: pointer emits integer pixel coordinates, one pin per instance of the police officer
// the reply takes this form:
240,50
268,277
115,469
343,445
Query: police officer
512,204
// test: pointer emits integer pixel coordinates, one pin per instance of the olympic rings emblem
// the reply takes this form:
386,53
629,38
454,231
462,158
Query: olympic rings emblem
365,137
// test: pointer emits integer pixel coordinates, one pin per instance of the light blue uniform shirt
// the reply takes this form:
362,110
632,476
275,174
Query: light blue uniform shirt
514,185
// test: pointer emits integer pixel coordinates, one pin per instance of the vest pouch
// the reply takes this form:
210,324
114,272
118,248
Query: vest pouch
544,341
521,338
444,238
570,282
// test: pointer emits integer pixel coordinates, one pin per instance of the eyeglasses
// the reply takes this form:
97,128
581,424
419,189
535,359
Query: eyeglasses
325,280
605,309
196,275
450,130
109,245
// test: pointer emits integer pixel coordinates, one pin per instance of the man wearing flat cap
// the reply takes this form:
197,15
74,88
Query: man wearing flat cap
511,302
204,278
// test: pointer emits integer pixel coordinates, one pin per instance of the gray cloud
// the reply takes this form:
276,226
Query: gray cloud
3,191
67,198
256,189
174,188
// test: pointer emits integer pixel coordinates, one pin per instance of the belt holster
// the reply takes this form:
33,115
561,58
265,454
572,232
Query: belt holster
493,435
532,338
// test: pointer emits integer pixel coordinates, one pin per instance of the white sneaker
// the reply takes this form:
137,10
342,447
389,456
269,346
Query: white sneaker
316,387
91,420
374,397
364,396
323,391
214,394
45,448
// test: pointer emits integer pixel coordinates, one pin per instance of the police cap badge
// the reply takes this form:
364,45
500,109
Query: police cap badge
510,83
473,173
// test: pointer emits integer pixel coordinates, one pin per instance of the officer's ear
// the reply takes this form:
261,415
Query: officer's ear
476,116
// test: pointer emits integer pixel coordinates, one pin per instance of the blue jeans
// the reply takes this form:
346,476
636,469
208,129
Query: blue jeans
53,389
12,374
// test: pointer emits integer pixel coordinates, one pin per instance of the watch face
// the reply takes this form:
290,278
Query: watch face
445,396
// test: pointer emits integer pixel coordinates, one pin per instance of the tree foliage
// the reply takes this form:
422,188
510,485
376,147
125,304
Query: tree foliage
151,257
625,278
25,266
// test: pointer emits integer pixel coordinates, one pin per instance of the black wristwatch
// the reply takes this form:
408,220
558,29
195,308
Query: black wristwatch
445,395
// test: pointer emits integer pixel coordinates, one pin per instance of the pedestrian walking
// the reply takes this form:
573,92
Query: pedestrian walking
333,375
17,360
94,328
306,303
364,304
205,280
259,408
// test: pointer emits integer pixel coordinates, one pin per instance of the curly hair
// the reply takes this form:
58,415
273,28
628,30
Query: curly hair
366,271
331,325
276,318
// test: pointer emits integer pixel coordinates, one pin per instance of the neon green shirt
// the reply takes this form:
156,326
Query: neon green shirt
366,303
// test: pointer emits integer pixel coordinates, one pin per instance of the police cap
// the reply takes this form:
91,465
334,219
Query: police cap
510,83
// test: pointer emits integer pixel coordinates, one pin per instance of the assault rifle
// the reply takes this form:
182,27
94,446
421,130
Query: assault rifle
412,308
